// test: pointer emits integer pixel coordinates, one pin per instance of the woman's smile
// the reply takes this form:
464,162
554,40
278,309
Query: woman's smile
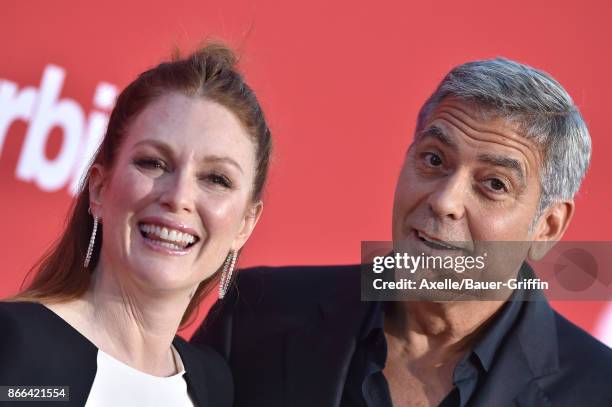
163,237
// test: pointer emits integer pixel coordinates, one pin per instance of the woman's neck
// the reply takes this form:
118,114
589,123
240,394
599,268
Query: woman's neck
129,323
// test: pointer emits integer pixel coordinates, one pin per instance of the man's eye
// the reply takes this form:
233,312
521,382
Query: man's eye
432,159
497,185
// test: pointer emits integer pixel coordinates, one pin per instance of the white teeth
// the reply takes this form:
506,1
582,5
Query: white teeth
166,244
171,236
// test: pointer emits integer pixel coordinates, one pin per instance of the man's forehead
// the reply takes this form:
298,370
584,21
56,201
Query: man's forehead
453,118
469,115
498,140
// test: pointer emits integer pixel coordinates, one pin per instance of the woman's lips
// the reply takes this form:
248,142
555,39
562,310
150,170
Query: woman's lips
164,247
168,235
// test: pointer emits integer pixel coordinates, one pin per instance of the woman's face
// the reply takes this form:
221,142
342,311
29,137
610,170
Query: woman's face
178,197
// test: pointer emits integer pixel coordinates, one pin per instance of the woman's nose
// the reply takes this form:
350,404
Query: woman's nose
178,193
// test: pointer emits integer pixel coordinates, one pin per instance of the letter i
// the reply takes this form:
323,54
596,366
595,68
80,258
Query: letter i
104,99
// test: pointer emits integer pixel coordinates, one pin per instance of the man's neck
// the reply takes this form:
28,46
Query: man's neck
425,341
441,330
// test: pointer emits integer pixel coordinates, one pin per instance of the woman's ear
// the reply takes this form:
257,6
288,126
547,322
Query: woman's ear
550,228
97,182
251,217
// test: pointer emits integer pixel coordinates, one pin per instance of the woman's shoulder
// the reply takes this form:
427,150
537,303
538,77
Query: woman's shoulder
207,372
12,308
32,324
16,315
31,331
38,347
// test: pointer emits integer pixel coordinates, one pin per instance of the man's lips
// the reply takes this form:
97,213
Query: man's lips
436,243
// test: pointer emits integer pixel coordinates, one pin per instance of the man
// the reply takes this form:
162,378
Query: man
499,152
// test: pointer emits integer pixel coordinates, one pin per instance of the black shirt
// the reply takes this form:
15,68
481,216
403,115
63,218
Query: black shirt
366,386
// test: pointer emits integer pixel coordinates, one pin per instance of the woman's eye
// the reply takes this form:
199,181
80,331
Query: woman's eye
496,185
432,159
220,180
151,163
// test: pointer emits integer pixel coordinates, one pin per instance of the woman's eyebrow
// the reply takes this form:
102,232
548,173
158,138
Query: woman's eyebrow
167,149
160,145
224,159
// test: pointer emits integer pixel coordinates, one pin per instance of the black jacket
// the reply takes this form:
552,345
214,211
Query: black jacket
38,348
289,334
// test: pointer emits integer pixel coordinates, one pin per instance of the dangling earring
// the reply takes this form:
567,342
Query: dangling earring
226,274
92,241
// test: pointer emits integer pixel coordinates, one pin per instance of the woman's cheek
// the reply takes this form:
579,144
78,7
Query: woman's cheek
134,186
223,214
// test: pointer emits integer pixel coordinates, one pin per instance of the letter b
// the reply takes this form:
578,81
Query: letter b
53,174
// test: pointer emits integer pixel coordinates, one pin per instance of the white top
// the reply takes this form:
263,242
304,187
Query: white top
119,385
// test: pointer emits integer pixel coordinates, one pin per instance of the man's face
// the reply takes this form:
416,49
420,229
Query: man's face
467,179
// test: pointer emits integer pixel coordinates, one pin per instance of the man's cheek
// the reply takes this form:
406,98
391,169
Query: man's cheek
501,227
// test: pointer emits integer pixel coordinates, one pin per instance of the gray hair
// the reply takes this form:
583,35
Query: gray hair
535,101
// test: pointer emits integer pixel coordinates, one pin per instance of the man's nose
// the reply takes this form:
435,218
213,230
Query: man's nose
178,192
448,198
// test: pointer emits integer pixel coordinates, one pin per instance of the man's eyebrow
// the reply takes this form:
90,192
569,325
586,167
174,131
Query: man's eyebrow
506,162
167,150
438,134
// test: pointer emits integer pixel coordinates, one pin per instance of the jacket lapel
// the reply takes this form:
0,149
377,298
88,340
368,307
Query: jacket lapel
528,353
537,334
531,396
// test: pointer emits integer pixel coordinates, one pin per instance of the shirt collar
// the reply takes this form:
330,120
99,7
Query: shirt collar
375,319
486,348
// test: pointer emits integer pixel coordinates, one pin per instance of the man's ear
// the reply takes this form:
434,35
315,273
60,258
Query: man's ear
97,182
251,217
550,228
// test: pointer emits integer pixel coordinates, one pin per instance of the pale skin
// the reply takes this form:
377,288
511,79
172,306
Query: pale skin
185,160
451,190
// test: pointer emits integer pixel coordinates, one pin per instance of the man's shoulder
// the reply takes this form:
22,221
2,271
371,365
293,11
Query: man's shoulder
296,283
299,273
580,350
279,298
584,366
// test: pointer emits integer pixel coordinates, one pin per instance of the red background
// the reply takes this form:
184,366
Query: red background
341,83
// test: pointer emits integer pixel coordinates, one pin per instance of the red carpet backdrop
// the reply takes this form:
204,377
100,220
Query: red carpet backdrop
341,83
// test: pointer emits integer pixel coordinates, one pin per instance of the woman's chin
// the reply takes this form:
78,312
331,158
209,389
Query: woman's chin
161,275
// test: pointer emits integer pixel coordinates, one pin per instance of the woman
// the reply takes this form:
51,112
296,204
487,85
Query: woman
172,195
